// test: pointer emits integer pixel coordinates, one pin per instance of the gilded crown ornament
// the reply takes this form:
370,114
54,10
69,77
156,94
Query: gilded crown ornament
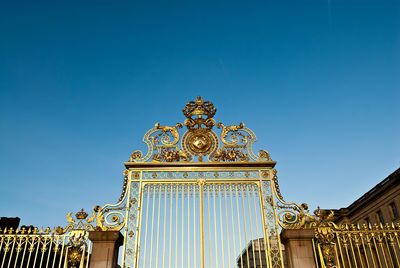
198,113
81,215
200,142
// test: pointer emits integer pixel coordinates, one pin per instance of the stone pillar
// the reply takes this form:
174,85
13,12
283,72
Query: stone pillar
105,248
298,248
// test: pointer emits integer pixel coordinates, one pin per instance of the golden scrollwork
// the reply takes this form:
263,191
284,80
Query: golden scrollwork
165,139
233,144
233,129
157,139
290,215
109,218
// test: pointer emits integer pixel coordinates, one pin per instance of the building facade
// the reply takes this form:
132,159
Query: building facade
380,205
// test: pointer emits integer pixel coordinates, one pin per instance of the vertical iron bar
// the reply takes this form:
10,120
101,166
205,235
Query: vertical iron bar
12,250
183,212
23,254
251,224
365,250
315,254
30,251
347,254
215,230
383,253
227,225
89,252
188,236
371,251
5,253
256,217
62,251
238,220
55,252
321,256
48,256
17,255
390,257
359,254
340,249
233,222
146,223
165,219
2,237
176,223
245,227
220,223
66,257
82,257
209,224
160,189
394,250
43,244
170,226
194,225
152,225
398,246
352,249
377,251
337,256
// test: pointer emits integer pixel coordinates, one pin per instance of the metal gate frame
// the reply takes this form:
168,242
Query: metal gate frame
230,152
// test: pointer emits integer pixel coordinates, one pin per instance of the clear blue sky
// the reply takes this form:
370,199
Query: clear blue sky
80,84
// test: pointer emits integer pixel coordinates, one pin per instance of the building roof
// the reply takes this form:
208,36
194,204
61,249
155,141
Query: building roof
379,189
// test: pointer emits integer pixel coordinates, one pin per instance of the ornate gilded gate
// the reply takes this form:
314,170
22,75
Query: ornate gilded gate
201,200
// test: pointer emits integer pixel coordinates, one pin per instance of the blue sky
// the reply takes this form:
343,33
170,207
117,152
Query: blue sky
81,83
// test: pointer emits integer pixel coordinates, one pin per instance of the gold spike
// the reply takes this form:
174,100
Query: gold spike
358,226
5,230
41,230
29,230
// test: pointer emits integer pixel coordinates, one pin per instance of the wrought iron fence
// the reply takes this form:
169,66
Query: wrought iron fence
57,247
355,245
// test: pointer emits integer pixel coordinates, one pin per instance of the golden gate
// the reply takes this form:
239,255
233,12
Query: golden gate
201,200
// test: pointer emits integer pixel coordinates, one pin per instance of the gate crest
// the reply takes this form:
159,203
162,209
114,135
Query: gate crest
200,140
